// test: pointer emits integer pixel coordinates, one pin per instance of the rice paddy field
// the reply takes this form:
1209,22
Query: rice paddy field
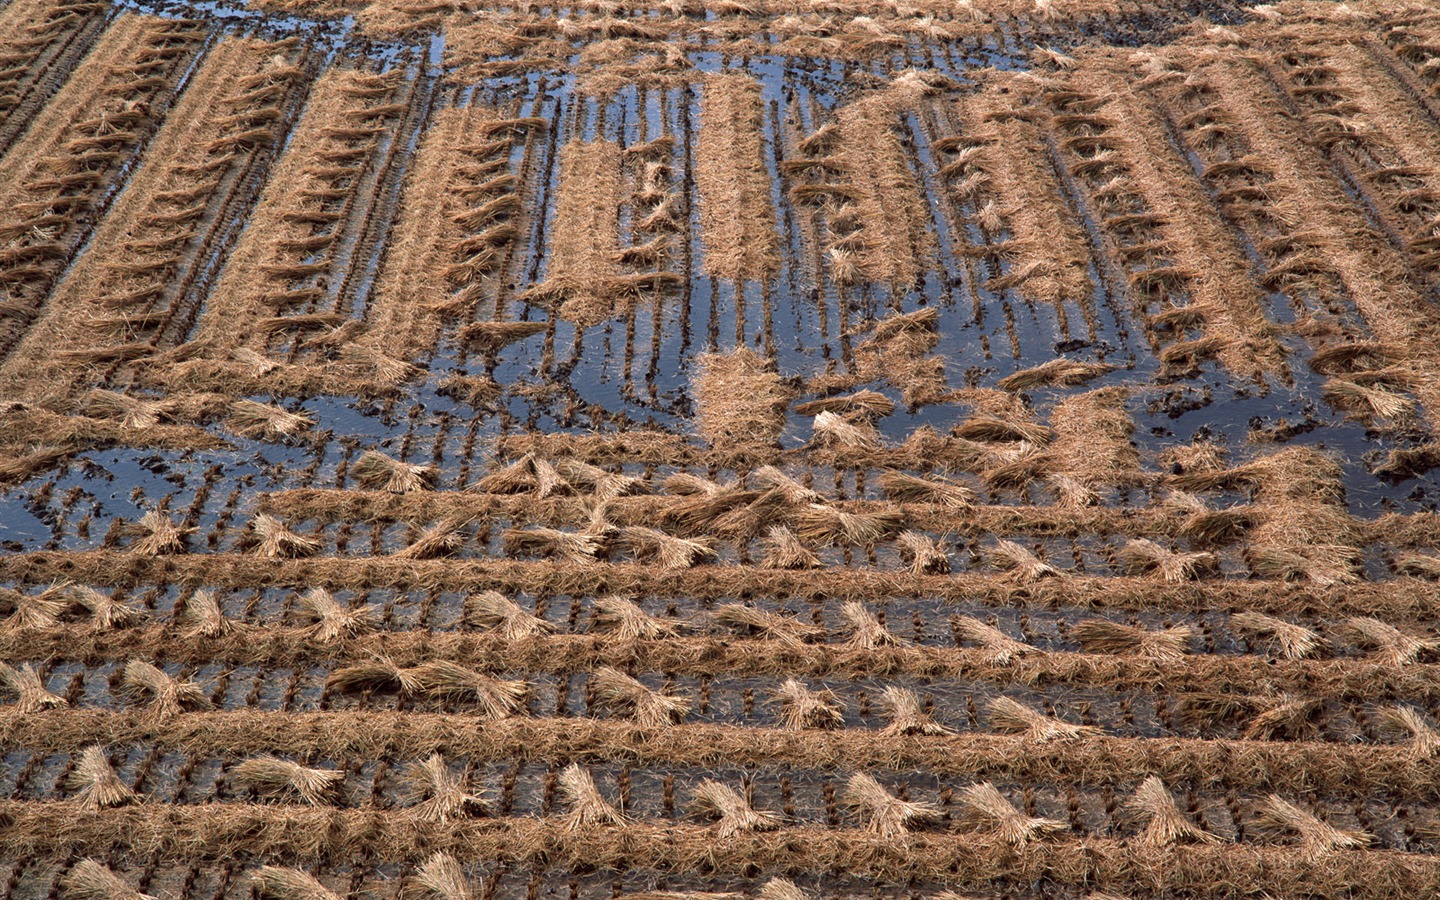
719,449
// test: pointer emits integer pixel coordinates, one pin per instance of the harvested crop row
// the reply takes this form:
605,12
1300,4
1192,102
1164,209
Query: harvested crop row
1001,661
120,293
1018,187
737,217
1400,599
36,37
286,257
1206,265
301,834
1336,769
454,228
52,181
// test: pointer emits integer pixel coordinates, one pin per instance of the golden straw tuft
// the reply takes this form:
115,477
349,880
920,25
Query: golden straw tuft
271,776
434,793
985,806
164,695
649,708
1165,825
1103,636
496,612
588,807
732,813
96,782
1011,716
884,813
801,707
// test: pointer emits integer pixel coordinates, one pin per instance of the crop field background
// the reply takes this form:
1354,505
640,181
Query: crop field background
719,449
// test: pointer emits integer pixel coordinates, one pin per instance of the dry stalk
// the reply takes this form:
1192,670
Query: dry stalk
570,546
907,714
270,776
158,534
98,785
445,538
588,807
1027,567
649,708
1141,556
32,611
494,697
260,420
276,883
598,482
1419,565
164,695
528,474
491,337
1285,717
882,812
791,491
380,673
1103,636
903,488
922,554
105,612
832,430
202,613
1165,825
439,878
132,412
376,471
434,793
1056,372
1016,718
496,612
625,619
1208,526
787,630
333,621
985,806
867,403
30,692
1002,648
1389,645
732,813
667,551
783,550
270,537
89,880
822,524
801,707
1293,641
1316,837
866,631
1410,723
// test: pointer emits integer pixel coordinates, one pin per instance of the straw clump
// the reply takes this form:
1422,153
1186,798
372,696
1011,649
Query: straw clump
29,689
1291,640
784,551
882,812
588,807
665,550
1142,556
907,713
625,619
494,698
89,880
96,783
1001,648
866,630
922,554
1023,564
376,471
1102,636
32,611
649,708
1317,837
1389,645
105,612
202,615
259,420
440,877
1016,718
571,546
732,812
277,883
271,776
1165,825
739,398
1411,724
165,696
495,612
985,806
333,622
768,625
273,539
904,488
1056,372
802,707
157,534
434,793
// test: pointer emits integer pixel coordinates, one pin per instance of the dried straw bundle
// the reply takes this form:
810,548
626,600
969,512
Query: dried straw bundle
1293,641
665,550
434,793
496,698
489,338
439,878
376,471
1056,372
30,692
884,813
164,695
649,708
783,550
801,707
732,813
625,619
1011,716
1316,837
271,538
985,806
262,421
105,612
739,398
365,360
1368,400
1285,717
601,484
95,780
1103,636
903,488
158,534
1002,648
528,474
1026,566
1410,723
907,714
90,880
866,631
871,404
588,807
202,613
768,625
570,546
1142,556
783,486
1389,645
922,554
380,673
333,621
132,412
1209,526
1322,564
496,612
822,524
990,429
276,883
1165,825
31,611
270,776
1418,565
445,538
832,430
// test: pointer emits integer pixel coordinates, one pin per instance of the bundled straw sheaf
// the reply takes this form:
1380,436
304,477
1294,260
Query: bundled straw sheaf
495,612
1001,648
96,783
163,694
1026,566
105,612
333,621
1103,636
907,713
1291,640
89,880
670,552
837,432
625,619
529,474
649,708
32,611
588,807
802,708
732,812
376,471
30,692
379,673
821,524
157,534
277,883
904,488
435,793
1389,645
1014,717
866,630
445,538
202,614
439,878
882,812
1317,837
771,626
922,554
260,420
271,776
784,551
495,698
984,806
272,538
571,546
1165,824
1144,557
1411,724
1056,372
